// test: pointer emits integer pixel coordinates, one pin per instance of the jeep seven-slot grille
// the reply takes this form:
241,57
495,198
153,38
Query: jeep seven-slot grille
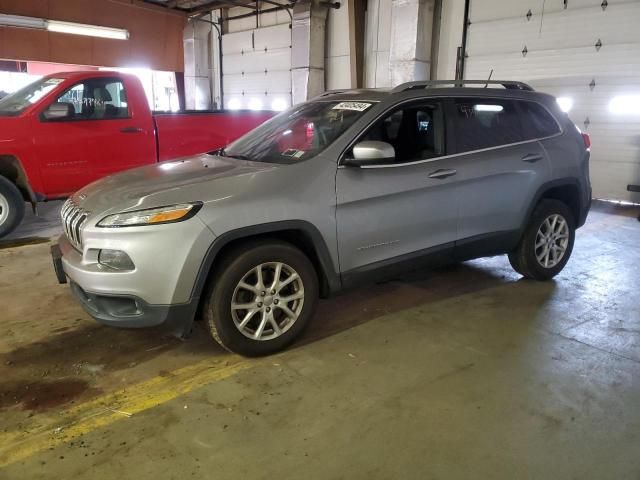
73,217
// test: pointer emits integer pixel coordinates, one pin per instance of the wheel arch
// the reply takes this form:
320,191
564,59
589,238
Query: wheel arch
566,190
11,169
299,233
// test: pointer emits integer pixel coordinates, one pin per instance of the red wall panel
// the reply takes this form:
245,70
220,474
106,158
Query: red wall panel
155,35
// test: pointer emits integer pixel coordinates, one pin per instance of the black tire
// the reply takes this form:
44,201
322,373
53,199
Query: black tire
523,259
11,200
233,268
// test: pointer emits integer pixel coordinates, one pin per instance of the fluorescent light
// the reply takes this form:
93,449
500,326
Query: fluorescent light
255,104
87,30
63,27
234,104
22,22
565,103
488,108
625,105
279,104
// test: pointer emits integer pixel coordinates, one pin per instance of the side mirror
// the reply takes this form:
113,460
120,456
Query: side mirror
58,111
370,152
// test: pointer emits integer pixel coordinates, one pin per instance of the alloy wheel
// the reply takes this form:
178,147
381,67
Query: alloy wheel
552,241
267,301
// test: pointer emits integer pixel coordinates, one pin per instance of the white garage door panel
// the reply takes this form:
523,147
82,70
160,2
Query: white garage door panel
237,42
488,10
565,29
278,36
258,61
622,60
257,82
605,177
256,69
561,59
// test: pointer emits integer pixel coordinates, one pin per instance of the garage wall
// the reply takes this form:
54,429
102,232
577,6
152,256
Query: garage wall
451,22
155,41
377,44
588,53
339,53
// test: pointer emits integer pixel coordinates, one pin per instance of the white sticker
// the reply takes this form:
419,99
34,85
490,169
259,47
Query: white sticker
357,106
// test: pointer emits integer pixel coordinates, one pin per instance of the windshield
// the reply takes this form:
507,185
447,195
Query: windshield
298,134
15,103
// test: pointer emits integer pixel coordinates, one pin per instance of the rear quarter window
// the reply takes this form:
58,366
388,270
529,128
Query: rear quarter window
537,122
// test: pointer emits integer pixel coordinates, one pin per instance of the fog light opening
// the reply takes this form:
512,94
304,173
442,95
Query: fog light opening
115,260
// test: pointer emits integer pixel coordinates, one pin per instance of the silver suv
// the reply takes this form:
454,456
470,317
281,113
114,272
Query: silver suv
339,191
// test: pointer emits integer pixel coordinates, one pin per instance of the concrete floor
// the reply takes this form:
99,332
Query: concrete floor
464,372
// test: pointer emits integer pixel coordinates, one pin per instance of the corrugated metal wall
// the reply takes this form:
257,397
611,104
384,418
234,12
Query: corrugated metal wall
587,53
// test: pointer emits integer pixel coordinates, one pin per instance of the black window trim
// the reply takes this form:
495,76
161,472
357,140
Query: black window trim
447,102
64,120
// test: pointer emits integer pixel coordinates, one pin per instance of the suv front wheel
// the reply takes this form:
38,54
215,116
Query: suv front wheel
261,298
547,243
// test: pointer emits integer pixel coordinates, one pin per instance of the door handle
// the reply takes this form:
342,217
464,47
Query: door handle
131,130
532,157
443,173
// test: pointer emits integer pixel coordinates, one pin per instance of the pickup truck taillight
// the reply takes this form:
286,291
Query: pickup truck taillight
587,141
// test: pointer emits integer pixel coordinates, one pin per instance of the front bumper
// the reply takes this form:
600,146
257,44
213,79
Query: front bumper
158,291
132,312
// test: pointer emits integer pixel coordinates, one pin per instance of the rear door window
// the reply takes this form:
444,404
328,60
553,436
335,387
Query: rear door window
537,122
485,123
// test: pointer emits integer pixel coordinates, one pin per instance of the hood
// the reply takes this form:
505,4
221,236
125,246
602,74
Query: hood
165,183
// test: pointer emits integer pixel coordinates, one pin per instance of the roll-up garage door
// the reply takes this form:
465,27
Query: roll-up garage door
256,68
586,53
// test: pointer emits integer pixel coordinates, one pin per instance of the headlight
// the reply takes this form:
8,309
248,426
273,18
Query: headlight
152,216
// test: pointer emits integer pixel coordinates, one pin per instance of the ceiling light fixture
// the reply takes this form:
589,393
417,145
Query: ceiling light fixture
63,27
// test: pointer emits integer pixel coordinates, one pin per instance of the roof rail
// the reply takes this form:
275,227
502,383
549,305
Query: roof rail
508,84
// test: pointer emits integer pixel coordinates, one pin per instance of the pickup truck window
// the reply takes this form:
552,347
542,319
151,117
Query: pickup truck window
300,133
96,99
15,103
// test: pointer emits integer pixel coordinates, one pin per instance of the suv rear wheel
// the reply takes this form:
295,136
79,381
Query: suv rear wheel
11,207
547,243
261,299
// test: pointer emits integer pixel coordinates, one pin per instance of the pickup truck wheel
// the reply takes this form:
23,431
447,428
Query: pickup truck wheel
261,298
11,207
547,243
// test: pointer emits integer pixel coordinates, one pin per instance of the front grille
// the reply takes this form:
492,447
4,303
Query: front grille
73,218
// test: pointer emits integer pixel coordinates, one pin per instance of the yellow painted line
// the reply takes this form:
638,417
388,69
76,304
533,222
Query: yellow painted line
104,410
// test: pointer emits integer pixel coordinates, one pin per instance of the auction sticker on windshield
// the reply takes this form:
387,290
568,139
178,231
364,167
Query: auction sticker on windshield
357,106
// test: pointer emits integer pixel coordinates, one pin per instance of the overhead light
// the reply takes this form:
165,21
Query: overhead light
234,104
22,22
565,103
19,21
488,108
279,104
255,104
87,30
625,105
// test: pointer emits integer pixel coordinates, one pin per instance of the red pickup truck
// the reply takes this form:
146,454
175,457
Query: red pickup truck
68,129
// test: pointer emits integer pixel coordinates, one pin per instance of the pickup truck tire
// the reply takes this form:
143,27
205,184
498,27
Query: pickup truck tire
261,298
11,207
547,242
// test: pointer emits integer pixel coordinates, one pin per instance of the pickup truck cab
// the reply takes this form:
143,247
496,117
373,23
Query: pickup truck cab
67,130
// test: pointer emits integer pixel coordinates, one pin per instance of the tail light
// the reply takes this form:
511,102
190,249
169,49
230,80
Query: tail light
587,141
